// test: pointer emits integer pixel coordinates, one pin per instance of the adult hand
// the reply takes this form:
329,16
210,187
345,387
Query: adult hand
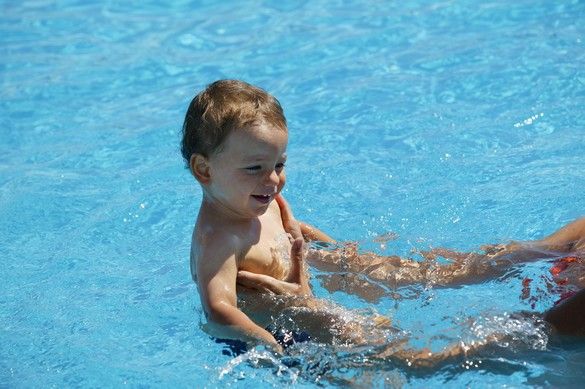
290,224
296,283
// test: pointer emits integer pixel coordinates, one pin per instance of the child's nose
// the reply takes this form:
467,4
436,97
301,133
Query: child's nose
273,178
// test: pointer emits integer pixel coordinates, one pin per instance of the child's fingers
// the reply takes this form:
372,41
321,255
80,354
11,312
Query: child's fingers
260,282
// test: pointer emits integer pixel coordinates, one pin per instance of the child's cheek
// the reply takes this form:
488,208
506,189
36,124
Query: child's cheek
281,183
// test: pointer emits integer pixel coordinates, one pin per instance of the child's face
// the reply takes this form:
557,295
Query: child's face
249,171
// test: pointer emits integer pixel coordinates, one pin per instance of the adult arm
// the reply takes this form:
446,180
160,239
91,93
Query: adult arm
311,233
299,229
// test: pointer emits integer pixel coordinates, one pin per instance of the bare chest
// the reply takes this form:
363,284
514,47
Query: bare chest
268,254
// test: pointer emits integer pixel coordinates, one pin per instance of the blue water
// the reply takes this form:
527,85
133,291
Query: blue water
447,123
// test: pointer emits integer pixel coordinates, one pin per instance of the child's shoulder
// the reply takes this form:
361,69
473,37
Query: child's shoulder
214,237
211,246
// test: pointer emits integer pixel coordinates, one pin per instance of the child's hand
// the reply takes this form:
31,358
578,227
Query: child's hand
295,284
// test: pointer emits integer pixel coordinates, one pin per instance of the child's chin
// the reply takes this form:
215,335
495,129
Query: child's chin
259,211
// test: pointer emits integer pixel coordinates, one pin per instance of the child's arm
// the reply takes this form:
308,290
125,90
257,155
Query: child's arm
216,280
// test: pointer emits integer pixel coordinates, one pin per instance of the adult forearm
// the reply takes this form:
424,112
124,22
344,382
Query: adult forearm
314,234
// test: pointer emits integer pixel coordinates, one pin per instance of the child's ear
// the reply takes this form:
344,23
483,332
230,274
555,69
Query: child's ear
200,168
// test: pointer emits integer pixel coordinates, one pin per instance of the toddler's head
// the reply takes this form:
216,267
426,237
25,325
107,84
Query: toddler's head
226,106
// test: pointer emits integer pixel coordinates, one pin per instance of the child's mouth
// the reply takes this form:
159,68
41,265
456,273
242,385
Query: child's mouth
264,199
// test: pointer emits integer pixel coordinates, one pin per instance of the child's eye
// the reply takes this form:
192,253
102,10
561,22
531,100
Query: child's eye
279,166
254,168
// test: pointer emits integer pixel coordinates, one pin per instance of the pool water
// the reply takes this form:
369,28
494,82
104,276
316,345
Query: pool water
446,123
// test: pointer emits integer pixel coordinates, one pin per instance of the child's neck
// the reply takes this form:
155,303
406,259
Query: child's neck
220,212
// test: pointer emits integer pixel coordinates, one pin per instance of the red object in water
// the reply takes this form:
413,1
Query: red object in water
561,264
526,289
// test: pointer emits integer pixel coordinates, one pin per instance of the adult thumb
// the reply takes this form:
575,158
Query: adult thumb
296,257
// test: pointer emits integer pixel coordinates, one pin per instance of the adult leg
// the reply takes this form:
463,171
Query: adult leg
570,238
465,267
568,316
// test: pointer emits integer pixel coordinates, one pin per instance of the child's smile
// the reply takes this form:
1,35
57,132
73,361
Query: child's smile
264,199
249,171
